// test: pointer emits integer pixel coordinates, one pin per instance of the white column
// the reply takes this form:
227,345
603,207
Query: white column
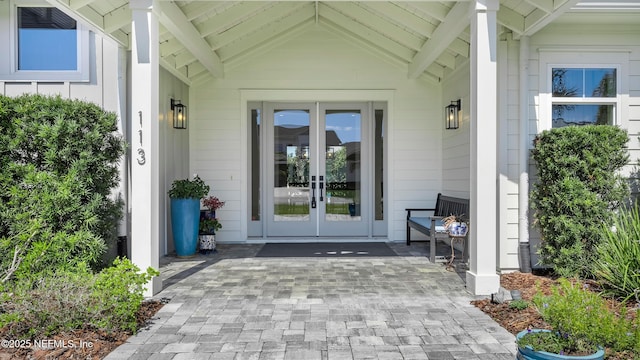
145,213
482,278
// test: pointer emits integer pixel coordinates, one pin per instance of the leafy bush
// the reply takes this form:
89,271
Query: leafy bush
577,190
582,320
67,300
118,291
618,265
58,166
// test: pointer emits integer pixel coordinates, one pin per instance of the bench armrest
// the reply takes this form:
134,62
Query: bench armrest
409,210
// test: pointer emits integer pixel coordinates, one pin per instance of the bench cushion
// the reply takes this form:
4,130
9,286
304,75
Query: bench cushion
425,221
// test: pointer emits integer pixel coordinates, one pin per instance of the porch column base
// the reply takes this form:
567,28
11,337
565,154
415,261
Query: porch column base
153,287
483,284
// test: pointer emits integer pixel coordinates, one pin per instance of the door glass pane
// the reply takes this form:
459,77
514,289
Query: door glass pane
255,164
579,114
379,164
291,165
343,168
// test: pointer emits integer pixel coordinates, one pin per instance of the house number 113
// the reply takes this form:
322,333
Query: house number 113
141,155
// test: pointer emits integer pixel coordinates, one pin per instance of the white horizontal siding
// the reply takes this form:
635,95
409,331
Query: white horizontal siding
597,38
318,60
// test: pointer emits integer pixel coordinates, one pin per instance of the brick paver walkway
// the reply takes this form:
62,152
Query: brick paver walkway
234,306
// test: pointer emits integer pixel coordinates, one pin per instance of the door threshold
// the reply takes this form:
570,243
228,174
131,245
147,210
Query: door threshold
315,239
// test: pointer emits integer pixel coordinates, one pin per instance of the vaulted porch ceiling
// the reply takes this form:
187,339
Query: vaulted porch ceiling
199,39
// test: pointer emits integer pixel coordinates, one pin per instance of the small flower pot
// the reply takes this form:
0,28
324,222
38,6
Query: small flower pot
458,229
527,353
207,243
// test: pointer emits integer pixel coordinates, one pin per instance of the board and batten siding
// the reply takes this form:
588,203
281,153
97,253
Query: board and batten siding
174,151
456,143
107,80
318,65
108,88
620,45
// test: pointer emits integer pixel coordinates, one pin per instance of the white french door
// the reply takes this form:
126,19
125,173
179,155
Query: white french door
317,163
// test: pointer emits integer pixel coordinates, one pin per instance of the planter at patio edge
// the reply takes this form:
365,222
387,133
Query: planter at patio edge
528,353
185,218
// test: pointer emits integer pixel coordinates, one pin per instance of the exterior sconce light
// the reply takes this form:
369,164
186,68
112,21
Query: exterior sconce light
452,115
179,114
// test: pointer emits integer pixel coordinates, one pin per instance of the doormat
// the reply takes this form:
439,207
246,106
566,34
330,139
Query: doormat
325,250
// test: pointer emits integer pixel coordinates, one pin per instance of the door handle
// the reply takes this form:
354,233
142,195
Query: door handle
321,187
313,192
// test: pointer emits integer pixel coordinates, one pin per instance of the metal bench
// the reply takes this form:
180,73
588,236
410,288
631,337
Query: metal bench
433,226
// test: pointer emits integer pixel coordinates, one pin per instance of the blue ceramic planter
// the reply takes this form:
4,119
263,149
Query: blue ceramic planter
185,218
527,353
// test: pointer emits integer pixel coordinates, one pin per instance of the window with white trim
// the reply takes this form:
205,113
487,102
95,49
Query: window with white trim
45,44
583,95
47,39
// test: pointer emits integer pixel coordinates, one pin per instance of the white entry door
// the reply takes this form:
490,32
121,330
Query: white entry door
317,161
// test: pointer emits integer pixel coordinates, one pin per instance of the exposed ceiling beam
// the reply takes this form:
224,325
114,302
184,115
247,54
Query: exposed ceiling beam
455,22
170,46
535,26
386,28
222,21
77,4
402,17
117,19
177,23
272,14
511,19
545,5
358,41
265,35
366,34
433,10
91,18
177,73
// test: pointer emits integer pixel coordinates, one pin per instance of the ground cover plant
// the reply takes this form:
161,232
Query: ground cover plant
546,286
58,167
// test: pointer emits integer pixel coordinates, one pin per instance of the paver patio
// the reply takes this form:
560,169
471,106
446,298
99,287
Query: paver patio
231,305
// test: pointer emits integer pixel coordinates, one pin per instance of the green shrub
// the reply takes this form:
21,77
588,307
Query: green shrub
519,304
58,166
577,190
582,318
67,301
618,265
118,291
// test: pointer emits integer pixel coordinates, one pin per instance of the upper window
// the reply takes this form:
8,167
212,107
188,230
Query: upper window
44,44
583,96
47,39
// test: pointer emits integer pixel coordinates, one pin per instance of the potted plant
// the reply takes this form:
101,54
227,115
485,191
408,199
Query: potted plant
456,225
185,198
457,228
581,326
209,224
